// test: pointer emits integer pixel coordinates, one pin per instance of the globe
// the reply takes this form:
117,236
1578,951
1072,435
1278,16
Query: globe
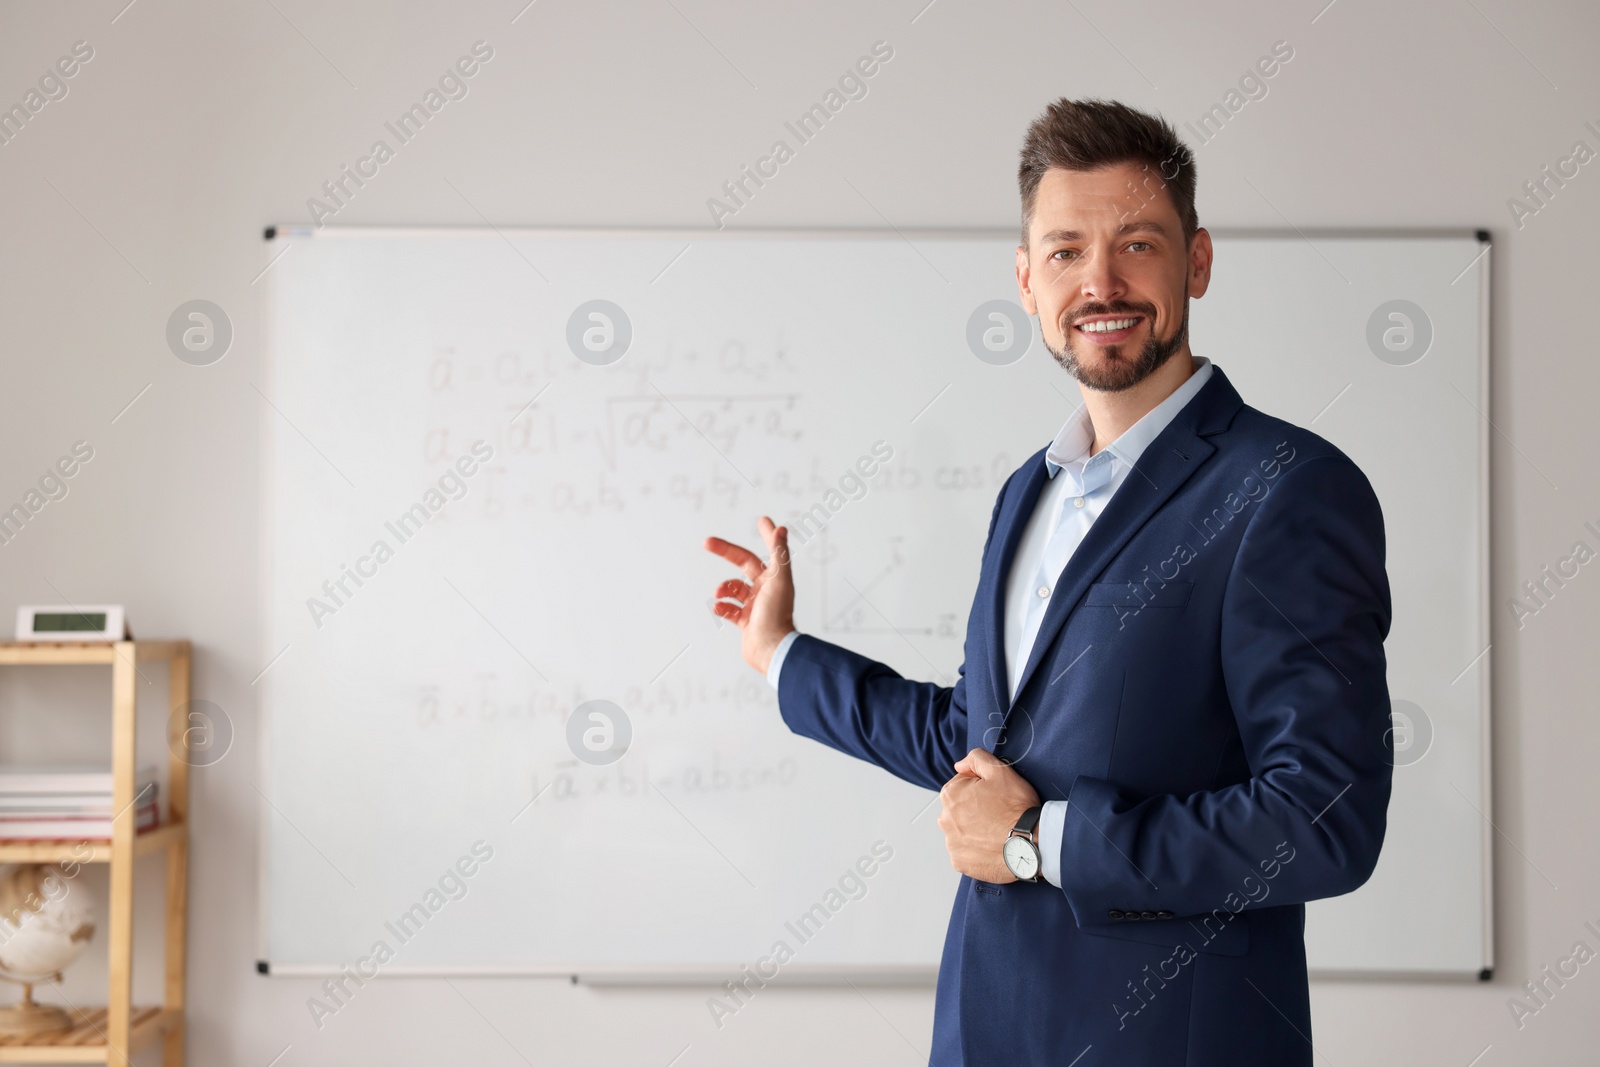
46,921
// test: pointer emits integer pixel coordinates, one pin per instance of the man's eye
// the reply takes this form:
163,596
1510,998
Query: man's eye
1145,243
1063,252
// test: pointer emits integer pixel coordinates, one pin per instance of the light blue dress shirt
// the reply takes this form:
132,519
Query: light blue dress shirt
1061,518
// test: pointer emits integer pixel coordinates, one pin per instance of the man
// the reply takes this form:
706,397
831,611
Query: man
1171,728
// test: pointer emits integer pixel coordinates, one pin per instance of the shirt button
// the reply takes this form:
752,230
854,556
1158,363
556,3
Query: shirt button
1078,501
1044,591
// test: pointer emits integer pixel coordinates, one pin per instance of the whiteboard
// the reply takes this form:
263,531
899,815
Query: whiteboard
418,703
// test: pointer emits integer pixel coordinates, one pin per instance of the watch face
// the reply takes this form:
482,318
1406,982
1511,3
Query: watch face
1022,858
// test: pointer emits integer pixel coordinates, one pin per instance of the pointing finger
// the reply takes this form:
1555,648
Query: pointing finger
737,555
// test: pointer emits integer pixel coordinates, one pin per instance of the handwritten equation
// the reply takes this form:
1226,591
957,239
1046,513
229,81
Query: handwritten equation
489,700
568,780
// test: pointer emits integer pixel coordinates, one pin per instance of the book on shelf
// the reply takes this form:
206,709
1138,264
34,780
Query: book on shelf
70,779
89,828
70,802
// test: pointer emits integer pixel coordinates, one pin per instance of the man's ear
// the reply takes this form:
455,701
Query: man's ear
1025,282
1200,252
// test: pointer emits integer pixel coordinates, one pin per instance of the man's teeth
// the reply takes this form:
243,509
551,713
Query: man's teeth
1107,325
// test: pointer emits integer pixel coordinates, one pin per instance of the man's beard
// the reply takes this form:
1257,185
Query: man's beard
1121,372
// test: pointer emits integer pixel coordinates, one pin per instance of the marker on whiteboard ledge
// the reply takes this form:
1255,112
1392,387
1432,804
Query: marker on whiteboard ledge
263,967
298,230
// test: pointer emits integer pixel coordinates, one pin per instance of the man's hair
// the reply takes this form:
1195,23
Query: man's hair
1090,134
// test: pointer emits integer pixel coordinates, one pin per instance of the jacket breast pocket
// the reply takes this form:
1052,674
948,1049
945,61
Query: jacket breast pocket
1134,595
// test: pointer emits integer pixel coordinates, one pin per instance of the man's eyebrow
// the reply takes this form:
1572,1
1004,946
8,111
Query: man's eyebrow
1136,226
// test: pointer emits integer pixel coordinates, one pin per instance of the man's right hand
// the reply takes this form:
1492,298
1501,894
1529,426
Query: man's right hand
765,608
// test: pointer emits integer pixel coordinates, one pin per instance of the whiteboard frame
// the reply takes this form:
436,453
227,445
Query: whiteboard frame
828,975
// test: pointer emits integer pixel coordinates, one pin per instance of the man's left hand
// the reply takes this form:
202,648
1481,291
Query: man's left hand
980,805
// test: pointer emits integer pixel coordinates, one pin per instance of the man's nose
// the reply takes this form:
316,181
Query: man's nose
1100,279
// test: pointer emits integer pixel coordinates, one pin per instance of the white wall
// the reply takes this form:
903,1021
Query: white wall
196,124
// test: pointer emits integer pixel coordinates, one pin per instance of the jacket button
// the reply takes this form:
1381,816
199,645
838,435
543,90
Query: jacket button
1131,916
1163,914
1148,915
1114,913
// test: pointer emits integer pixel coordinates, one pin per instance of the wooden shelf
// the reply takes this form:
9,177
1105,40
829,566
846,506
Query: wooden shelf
91,652
113,1033
86,1041
67,851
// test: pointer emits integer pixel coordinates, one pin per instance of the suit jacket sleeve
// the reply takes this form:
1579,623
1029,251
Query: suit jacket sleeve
1304,615
914,730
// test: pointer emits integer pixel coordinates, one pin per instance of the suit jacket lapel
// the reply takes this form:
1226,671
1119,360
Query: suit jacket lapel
1169,461
1012,523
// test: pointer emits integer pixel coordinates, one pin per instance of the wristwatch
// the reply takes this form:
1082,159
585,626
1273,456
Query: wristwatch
1021,850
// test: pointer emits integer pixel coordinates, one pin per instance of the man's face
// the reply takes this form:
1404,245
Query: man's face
1106,249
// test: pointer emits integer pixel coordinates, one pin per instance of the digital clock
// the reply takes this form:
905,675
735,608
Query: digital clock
93,622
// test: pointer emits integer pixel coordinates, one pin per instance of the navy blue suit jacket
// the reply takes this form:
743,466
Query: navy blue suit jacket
1208,693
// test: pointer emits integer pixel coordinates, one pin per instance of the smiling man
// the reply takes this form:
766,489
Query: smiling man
1171,729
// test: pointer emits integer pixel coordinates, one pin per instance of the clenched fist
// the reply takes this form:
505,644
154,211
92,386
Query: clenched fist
980,805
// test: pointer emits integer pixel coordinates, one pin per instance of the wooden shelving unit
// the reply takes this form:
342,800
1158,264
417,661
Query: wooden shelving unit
112,1033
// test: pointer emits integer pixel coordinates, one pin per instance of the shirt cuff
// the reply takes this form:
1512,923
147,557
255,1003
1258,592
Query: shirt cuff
777,657
1052,823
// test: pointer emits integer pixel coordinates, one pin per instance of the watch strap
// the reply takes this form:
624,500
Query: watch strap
1028,821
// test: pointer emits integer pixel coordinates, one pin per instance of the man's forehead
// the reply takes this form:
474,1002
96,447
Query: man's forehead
1072,202
1130,226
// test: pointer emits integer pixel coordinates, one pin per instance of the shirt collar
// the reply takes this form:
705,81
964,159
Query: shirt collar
1070,449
